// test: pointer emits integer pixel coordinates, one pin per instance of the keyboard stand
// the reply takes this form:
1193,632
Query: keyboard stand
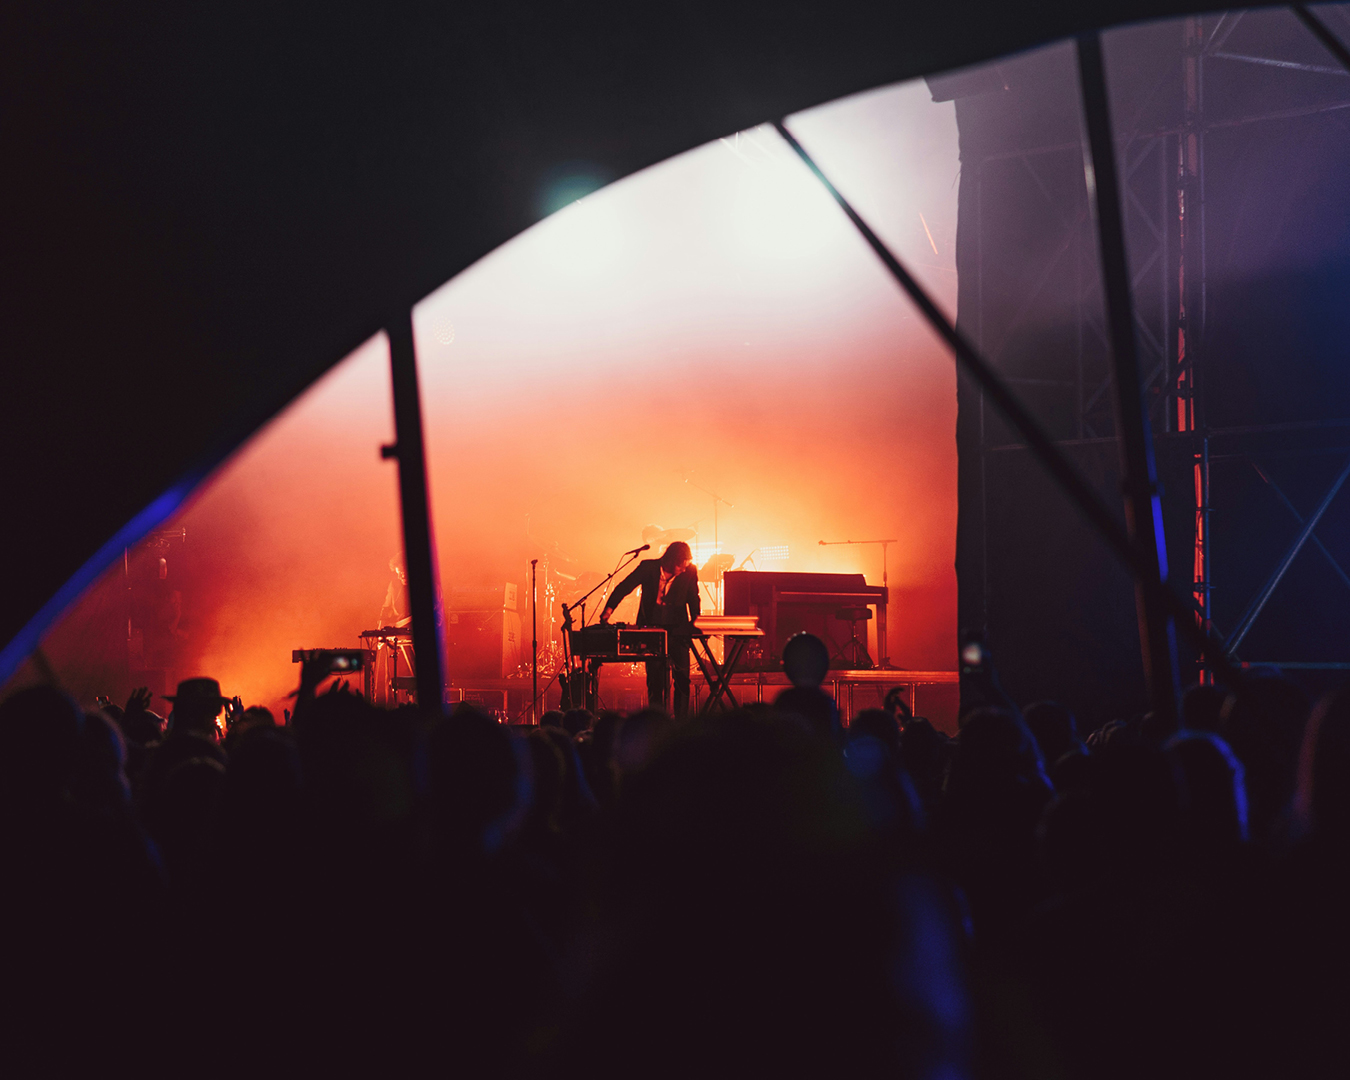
718,676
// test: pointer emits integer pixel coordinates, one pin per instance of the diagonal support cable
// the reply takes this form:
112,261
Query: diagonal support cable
1259,600
1322,33
1340,572
1079,492
1143,507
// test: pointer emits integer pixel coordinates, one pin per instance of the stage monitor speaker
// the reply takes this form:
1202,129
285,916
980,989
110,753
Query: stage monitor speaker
482,644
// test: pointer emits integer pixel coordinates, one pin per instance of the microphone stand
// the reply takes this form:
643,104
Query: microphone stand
885,584
717,542
567,610
534,634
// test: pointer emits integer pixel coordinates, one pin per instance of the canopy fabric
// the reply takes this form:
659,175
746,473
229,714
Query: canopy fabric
207,206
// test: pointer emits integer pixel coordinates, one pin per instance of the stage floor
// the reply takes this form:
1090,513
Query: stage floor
932,694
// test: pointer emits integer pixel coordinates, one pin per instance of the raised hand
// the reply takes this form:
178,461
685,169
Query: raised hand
139,701
312,672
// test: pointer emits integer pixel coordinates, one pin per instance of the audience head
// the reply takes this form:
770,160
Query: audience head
1215,804
183,810
548,769
253,719
638,739
196,706
552,718
994,753
598,757
40,735
1263,722
100,779
575,721
1055,730
604,732
877,724
264,782
806,660
1138,796
361,772
1324,768
577,797
1155,728
924,752
1202,707
480,782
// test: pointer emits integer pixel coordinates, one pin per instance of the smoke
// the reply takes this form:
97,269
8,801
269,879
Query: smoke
712,324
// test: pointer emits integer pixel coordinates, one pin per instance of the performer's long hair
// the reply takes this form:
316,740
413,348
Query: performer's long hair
675,556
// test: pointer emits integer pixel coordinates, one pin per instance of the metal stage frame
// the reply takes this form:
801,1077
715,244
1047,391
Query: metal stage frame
843,686
1163,200
846,687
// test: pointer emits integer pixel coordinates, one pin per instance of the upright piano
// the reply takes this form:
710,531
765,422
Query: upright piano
788,603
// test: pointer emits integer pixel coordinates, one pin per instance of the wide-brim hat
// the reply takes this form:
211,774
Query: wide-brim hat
197,691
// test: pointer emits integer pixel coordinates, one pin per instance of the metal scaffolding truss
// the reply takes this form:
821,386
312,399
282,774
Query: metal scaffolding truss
1161,173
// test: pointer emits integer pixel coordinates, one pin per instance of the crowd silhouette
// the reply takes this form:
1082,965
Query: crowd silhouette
761,892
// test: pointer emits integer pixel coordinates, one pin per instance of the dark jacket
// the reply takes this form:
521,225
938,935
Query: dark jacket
681,597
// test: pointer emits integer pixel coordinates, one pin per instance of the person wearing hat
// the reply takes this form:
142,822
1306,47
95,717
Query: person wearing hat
192,728
196,707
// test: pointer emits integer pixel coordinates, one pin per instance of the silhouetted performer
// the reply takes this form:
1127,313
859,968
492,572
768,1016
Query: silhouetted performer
395,609
670,601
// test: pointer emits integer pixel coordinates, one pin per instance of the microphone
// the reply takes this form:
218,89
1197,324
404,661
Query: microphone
638,551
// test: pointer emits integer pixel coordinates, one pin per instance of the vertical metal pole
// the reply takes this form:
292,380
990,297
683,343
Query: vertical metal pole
1190,281
419,548
1143,509
1164,293
882,644
126,580
534,638
1196,332
1206,592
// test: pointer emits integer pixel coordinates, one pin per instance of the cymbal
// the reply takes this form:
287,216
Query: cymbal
580,585
671,535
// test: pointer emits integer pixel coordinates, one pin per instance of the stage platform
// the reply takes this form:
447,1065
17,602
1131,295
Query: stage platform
933,694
